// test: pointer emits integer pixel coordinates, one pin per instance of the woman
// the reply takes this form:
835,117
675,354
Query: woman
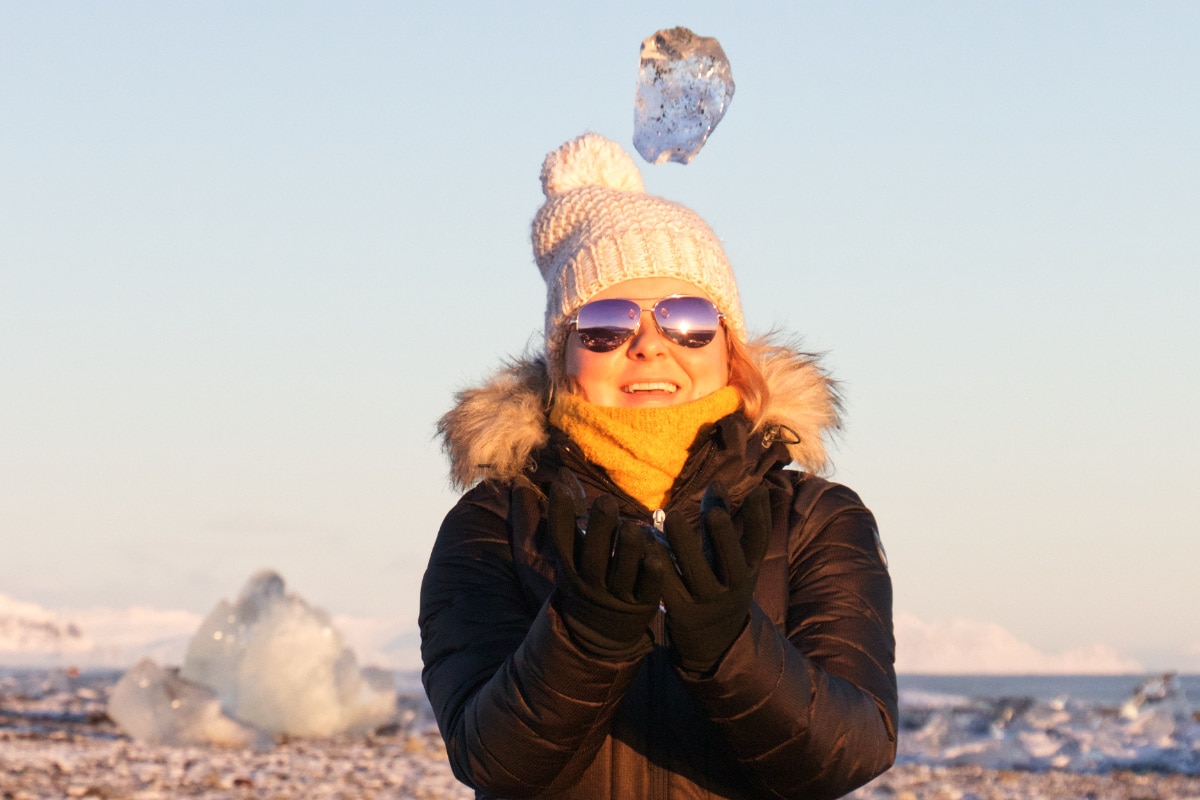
636,598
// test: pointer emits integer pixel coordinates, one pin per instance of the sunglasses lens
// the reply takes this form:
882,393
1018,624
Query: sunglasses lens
605,325
688,321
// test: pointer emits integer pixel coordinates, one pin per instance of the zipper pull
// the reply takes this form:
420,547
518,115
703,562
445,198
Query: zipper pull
659,517
658,529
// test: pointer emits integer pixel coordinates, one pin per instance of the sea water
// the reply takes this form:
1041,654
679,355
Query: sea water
1104,690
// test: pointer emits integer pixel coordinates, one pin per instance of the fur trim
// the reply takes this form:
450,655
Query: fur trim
803,403
494,428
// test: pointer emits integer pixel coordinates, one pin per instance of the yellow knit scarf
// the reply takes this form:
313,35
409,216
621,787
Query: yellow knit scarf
642,449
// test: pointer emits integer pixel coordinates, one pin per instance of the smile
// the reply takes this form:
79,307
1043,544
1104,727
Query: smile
651,386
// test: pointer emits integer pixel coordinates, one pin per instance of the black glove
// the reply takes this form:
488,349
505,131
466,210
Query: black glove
708,607
608,585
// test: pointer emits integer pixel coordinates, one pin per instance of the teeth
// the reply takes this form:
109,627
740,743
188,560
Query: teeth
655,386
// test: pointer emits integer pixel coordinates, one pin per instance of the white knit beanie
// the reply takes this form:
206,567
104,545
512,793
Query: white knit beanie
598,227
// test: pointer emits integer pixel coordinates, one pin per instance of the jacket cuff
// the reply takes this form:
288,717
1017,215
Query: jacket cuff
564,667
762,680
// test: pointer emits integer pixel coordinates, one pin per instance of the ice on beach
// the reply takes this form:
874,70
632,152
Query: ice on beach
684,86
1156,729
155,705
269,661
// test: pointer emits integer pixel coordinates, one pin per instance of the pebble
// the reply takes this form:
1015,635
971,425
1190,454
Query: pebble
919,781
57,743
338,769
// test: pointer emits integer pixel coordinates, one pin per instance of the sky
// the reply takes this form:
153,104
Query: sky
248,253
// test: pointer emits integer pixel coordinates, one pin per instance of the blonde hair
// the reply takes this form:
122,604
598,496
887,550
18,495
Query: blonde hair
748,379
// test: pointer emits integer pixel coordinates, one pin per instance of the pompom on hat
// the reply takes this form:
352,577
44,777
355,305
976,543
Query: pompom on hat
598,227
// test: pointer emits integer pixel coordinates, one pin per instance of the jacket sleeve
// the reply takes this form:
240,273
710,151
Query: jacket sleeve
522,711
813,714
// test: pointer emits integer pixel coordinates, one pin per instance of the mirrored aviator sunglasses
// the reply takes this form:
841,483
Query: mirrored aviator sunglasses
605,325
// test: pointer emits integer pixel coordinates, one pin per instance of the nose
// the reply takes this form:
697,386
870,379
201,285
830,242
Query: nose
648,342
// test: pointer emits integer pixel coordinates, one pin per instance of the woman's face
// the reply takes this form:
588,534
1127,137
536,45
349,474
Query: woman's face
649,370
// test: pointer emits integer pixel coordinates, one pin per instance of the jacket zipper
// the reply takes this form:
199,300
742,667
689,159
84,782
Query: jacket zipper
698,473
600,479
607,483
658,777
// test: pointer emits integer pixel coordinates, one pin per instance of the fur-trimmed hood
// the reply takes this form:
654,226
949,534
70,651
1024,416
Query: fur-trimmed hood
495,427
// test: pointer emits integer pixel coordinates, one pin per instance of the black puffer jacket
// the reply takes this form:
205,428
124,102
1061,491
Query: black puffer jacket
802,705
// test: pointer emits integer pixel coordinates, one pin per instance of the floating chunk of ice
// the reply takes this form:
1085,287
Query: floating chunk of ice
268,662
684,86
156,705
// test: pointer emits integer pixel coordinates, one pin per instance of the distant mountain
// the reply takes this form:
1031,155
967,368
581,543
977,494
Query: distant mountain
971,647
33,636
30,634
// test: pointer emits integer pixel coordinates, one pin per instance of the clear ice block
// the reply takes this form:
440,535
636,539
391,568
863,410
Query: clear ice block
155,705
267,664
684,86
278,663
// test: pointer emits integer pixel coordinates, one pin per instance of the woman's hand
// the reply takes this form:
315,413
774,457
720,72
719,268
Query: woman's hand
609,584
707,607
